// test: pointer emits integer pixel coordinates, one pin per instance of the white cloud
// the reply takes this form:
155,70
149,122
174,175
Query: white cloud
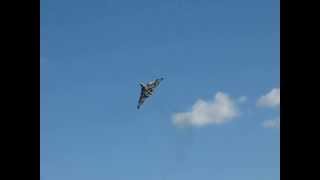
274,123
271,99
220,110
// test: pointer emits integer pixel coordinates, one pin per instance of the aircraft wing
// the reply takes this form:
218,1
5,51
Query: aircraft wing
142,98
155,83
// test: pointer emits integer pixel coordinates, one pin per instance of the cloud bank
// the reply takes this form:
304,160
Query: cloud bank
218,111
271,99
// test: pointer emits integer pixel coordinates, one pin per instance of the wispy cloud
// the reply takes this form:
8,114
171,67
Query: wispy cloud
273,123
271,99
218,111
242,99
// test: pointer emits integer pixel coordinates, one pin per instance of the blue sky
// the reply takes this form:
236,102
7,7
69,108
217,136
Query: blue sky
93,53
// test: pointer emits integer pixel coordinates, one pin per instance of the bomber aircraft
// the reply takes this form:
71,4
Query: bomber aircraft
147,90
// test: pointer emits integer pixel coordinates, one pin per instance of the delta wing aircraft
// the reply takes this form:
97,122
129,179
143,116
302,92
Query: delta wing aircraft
147,90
